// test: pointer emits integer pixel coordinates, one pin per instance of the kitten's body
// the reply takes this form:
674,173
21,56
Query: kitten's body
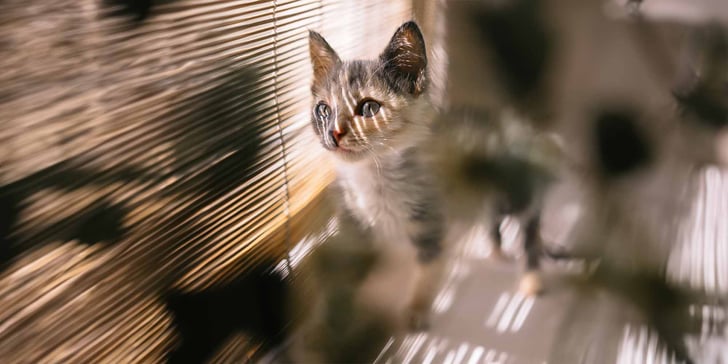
382,194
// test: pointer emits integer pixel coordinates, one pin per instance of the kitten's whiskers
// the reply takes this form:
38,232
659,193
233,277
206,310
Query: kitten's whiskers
391,148
377,164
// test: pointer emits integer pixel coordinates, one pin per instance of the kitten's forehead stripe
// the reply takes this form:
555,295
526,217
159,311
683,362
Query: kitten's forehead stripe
350,102
358,72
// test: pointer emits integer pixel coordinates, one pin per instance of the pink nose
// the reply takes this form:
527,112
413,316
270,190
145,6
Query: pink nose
337,135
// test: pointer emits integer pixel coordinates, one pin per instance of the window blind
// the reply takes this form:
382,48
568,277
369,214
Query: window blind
141,157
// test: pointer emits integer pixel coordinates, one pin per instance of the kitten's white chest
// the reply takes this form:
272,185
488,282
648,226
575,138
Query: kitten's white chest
376,200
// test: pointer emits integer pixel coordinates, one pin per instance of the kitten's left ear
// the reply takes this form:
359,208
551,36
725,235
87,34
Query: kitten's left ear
323,57
405,59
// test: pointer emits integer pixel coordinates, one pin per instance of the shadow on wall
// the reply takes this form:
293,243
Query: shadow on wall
225,121
703,95
101,221
221,122
224,124
220,149
522,46
621,146
139,10
216,139
252,305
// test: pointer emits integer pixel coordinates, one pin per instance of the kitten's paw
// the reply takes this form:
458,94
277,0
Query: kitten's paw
531,284
418,319
497,255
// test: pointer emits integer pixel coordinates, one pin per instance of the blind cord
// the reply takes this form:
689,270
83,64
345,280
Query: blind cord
287,200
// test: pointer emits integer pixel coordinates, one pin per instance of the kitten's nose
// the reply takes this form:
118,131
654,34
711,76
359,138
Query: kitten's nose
336,135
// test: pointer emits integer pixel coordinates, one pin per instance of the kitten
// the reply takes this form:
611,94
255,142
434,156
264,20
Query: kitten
405,174
372,116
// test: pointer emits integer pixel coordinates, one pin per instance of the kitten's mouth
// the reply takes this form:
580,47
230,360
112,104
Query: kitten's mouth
345,152
337,148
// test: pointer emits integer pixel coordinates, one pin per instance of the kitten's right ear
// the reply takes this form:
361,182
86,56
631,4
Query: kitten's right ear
405,59
323,57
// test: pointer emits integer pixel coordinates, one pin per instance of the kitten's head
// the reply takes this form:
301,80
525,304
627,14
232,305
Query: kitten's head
369,107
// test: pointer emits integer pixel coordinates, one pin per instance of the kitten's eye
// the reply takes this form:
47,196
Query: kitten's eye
370,108
323,111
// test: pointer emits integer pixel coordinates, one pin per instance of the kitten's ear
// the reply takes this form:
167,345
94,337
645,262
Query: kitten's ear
405,59
323,57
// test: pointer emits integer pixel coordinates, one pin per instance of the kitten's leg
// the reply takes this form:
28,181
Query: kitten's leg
428,279
431,265
497,239
531,281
